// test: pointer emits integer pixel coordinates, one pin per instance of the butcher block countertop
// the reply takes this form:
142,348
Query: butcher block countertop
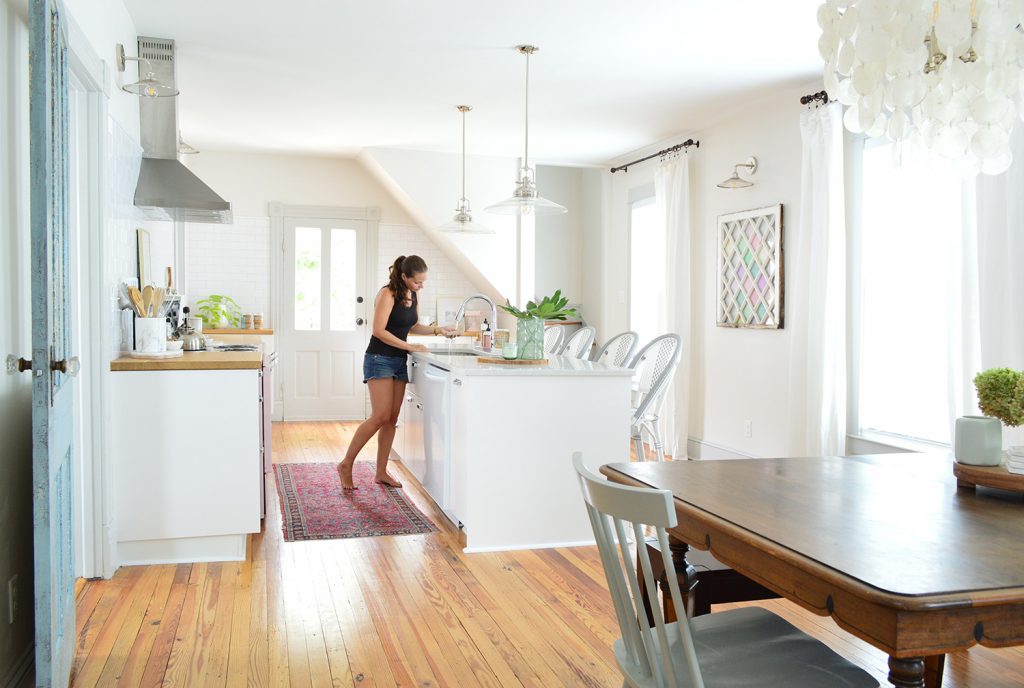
194,360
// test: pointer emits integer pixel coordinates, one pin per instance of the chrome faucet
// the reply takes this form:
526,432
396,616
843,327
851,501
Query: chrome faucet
461,313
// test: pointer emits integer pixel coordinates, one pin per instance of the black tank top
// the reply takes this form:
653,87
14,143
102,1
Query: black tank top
400,321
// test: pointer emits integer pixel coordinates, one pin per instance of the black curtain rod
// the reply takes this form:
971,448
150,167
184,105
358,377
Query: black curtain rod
685,144
810,98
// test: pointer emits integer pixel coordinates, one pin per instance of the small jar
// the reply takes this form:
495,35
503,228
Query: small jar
247,321
257,321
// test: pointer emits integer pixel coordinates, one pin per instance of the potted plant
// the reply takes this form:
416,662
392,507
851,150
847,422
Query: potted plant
979,439
530,325
218,310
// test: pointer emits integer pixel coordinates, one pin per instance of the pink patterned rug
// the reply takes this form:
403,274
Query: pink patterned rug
314,507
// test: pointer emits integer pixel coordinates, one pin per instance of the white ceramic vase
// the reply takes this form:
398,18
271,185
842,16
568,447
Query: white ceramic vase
978,441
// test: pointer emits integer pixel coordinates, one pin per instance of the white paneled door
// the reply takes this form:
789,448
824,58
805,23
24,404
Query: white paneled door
325,318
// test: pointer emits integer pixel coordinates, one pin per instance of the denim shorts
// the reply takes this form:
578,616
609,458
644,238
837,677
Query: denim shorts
376,366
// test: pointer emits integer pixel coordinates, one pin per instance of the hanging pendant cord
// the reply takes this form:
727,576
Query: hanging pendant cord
526,114
463,154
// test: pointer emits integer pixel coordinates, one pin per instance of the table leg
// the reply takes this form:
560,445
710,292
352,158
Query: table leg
907,672
933,667
687,577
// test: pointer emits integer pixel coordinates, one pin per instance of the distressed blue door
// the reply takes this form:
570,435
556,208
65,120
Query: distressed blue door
52,363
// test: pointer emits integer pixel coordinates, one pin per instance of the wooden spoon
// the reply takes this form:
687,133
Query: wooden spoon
135,296
147,300
158,302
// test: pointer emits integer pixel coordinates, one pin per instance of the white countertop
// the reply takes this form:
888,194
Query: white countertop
556,365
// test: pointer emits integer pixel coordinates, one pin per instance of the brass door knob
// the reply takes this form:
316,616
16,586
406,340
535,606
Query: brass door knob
17,365
68,366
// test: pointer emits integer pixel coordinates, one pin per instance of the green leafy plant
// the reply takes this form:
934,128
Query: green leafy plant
1001,394
550,308
217,308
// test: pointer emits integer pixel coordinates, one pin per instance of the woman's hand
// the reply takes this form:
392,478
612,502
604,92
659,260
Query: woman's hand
418,347
447,331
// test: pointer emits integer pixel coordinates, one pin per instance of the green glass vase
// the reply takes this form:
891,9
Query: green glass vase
530,338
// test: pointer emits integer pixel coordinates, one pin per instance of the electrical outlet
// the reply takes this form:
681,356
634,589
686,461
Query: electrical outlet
748,428
12,599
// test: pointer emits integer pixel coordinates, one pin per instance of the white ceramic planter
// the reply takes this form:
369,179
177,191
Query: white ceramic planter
978,441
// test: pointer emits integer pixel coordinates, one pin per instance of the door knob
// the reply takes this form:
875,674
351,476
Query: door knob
17,365
68,366
359,299
359,321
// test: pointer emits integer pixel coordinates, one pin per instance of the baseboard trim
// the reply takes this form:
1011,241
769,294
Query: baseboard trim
514,548
17,675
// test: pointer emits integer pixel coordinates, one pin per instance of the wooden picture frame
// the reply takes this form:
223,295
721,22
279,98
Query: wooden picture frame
751,266
145,262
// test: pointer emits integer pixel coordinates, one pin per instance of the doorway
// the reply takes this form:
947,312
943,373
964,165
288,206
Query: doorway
325,312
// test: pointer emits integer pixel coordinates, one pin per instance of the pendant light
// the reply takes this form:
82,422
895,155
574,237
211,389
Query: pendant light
525,200
462,222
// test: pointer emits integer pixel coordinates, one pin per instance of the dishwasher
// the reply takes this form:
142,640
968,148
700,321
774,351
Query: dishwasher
433,387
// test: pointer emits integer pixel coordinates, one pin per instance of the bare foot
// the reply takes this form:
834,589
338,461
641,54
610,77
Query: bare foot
387,480
346,476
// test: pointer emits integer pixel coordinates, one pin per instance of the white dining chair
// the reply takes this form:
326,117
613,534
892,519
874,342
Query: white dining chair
739,647
552,339
579,343
618,351
653,366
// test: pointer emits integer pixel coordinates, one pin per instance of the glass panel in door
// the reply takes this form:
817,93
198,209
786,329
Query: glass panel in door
308,259
343,280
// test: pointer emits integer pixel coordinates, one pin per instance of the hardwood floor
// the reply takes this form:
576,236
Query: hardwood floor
410,610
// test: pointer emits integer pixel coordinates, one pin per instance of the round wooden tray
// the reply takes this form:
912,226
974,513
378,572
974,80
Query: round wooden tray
512,361
987,476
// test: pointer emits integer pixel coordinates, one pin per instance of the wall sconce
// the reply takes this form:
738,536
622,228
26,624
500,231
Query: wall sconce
149,87
736,181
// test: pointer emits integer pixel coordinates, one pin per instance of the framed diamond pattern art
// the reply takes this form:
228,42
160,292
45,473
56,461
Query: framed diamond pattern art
750,284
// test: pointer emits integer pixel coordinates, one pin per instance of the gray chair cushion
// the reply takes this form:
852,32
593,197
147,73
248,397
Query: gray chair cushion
753,647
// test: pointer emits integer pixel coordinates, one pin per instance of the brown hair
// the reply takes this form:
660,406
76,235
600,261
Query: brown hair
404,265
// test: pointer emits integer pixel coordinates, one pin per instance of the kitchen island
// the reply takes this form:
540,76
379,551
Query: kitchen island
187,456
492,443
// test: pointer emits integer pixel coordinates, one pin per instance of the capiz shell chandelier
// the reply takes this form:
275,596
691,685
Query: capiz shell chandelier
948,72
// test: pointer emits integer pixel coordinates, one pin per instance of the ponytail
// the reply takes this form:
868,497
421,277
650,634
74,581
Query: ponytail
403,265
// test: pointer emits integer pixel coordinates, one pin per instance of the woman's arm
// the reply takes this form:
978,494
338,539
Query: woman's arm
382,306
431,329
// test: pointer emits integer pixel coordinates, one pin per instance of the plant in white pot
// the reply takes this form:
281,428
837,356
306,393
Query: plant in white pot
979,439
218,310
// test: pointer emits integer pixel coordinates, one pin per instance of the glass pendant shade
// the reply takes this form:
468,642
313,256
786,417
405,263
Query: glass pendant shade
462,222
150,87
525,200
948,73
735,182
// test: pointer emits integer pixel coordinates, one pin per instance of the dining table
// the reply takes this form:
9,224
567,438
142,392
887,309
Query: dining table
887,545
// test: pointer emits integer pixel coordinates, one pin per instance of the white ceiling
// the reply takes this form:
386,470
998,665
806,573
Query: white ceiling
331,77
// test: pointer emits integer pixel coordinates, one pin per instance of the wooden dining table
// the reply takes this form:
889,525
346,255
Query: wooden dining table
886,545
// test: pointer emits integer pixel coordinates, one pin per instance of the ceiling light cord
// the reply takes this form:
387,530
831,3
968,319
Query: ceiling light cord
463,110
526,114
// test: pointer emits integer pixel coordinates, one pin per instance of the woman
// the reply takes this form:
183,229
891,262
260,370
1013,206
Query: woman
384,365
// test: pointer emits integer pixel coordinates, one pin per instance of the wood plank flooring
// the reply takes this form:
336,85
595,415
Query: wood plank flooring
390,611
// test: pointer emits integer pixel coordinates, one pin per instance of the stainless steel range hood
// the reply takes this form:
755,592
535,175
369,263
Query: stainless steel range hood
167,190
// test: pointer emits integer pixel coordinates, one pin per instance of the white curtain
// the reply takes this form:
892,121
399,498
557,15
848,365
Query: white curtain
816,286
672,196
1000,213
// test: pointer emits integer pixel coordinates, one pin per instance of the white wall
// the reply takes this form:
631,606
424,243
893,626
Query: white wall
15,337
430,186
234,260
249,181
736,374
106,23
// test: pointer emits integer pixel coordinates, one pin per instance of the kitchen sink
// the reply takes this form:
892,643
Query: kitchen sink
442,351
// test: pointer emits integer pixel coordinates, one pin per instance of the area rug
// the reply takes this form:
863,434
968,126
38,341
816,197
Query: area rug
314,507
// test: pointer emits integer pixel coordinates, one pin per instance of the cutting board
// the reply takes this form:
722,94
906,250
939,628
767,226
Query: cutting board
512,361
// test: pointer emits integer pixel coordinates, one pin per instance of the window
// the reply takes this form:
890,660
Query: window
647,270
906,327
307,278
